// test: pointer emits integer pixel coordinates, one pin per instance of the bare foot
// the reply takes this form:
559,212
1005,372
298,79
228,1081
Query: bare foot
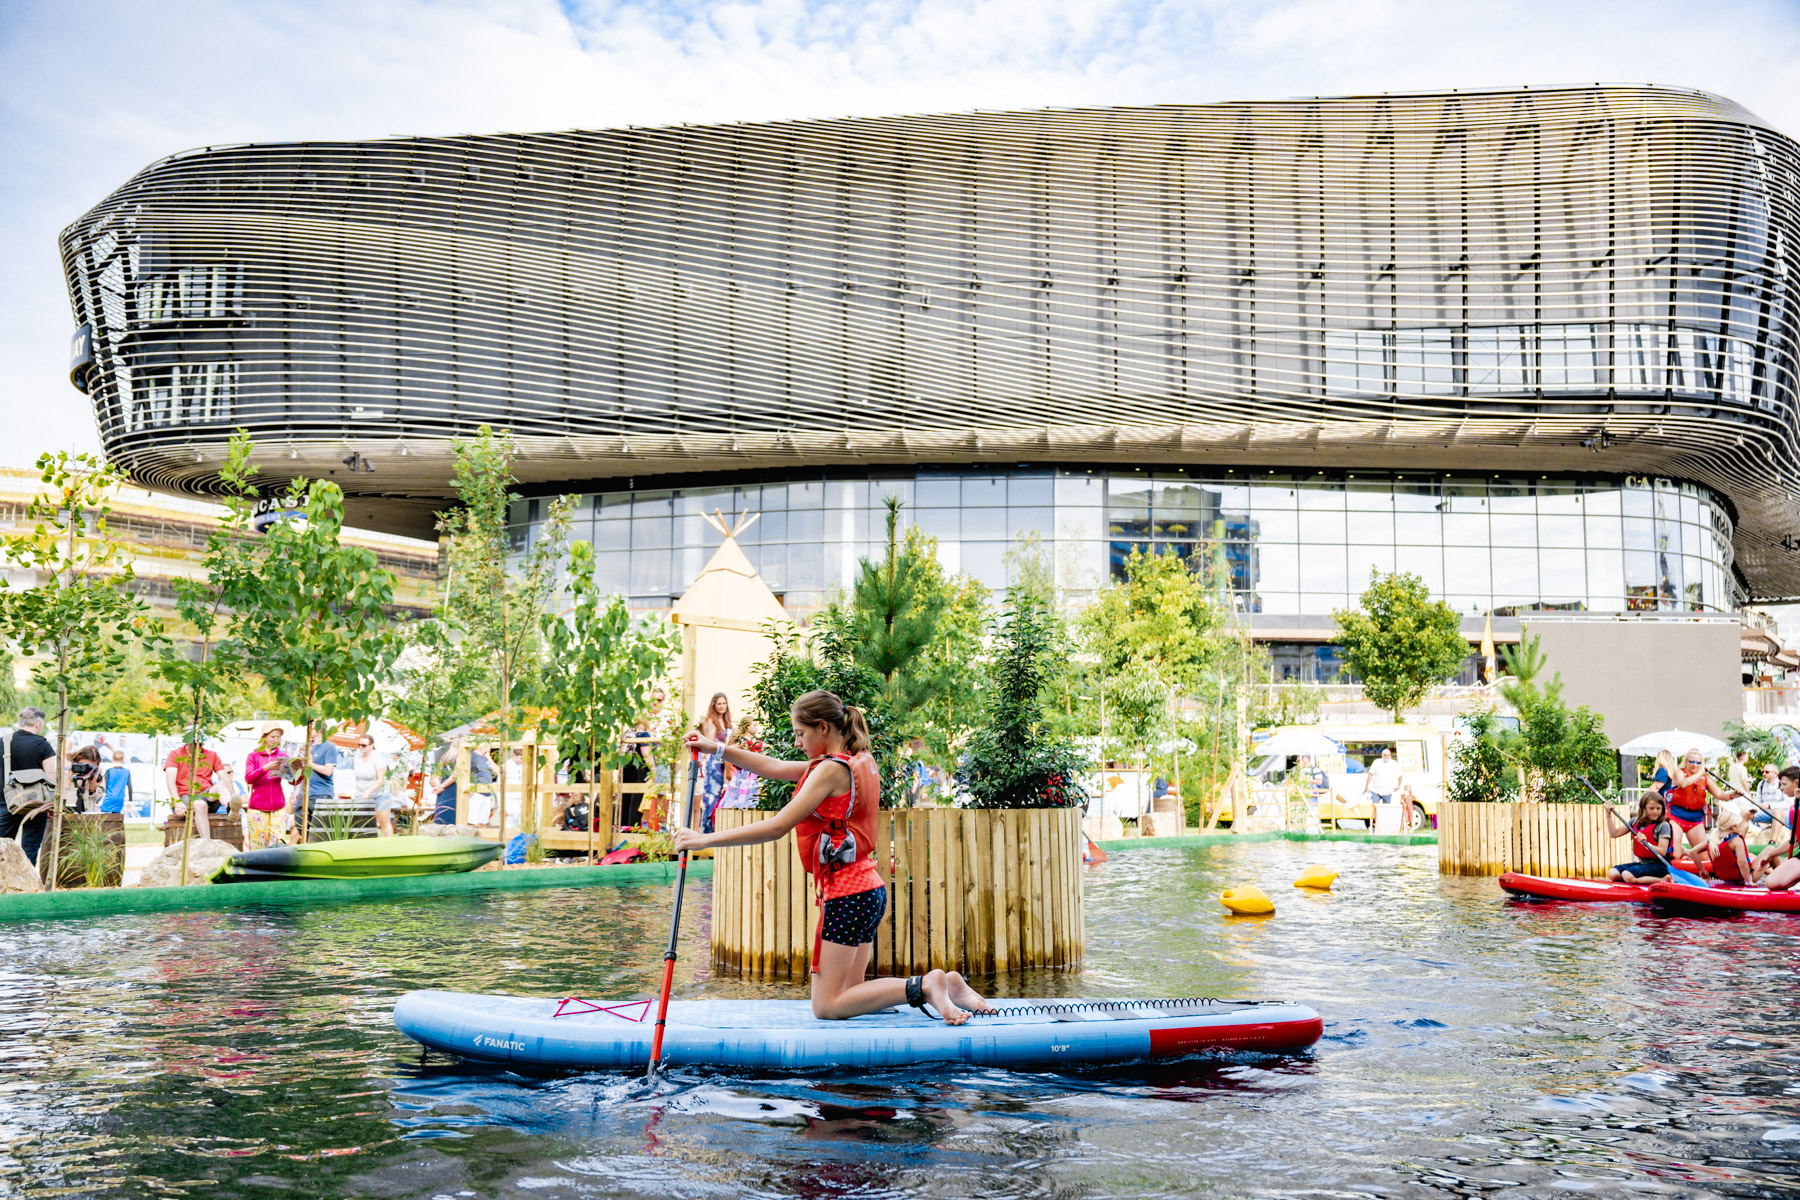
966,996
937,991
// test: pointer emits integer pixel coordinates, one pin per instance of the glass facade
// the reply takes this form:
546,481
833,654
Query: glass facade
1287,543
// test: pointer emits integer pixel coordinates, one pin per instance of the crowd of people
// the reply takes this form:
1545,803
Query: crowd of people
1688,820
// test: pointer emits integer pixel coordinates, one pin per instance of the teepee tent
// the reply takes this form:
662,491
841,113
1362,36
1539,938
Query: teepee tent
723,618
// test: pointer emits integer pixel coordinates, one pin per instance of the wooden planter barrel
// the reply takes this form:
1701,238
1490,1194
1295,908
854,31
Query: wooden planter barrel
977,891
1561,840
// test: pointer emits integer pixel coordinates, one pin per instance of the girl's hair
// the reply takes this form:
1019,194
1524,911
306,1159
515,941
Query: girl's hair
1730,820
87,754
816,707
1666,760
712,711
1643,809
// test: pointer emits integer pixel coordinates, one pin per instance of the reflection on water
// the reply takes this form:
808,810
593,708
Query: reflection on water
1473,1046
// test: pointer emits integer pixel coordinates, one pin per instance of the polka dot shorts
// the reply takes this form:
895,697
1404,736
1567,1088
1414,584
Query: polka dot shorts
851,920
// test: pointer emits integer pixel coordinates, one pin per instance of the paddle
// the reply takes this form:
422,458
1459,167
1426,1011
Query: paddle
1684,877
668,980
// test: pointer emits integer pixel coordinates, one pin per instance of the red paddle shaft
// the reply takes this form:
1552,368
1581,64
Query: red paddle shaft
668,982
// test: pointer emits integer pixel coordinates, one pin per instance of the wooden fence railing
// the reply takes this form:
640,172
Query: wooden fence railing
1559,840
537,792
977,891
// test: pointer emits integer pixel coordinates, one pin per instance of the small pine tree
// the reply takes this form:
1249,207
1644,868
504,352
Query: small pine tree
1013,760
890,619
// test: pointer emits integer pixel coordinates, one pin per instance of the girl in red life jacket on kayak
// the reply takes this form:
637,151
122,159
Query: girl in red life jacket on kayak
1730,860
1650,834
836,799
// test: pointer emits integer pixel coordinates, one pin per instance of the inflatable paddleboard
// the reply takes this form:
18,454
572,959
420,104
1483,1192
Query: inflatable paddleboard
359,858
1724,897
775,1034
1540,888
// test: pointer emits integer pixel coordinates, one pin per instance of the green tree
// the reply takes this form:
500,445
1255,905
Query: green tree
312,615
1161,615
955,661
81,614
200,686
434,685
821,663
492,608
1765,745
1142,710
600,669
1013,759
130,703
1400,642
891,616
1525,665
1482,771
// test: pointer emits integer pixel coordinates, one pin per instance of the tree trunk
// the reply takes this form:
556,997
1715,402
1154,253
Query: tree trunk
306,753
62,765
505,737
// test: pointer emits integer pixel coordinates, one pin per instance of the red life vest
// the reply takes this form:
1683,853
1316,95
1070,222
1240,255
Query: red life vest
1725,863
1690,796
1644,837
851,812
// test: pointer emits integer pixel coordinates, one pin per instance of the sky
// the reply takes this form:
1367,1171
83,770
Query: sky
92,92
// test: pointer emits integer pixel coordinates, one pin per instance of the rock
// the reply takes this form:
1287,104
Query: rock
449,831
16,872
1100,827
204,857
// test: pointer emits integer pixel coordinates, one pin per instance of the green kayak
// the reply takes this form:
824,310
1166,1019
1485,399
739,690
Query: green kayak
359,858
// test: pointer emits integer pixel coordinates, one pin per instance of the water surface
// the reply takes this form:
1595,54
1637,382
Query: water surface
1473,1046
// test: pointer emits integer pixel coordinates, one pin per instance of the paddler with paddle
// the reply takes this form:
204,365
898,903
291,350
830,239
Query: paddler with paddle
837,795
1691,793
1784,876
1651,837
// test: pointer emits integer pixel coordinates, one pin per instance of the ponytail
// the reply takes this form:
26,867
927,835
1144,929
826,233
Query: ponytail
856,730
824,707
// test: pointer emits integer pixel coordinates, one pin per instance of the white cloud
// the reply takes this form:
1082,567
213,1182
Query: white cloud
93,93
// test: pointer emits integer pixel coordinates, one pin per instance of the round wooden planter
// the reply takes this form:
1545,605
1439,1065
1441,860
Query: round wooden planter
981,892
1567,841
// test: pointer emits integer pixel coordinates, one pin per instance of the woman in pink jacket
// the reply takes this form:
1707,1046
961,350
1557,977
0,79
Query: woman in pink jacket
265,821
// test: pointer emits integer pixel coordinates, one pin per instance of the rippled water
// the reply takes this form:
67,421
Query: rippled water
1473,1046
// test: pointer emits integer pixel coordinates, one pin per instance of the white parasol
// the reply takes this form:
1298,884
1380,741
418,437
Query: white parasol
1675,741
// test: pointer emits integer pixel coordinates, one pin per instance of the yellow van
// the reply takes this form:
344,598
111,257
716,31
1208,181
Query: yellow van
1419,749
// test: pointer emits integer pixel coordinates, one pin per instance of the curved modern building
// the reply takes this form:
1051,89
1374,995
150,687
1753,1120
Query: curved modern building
1537,345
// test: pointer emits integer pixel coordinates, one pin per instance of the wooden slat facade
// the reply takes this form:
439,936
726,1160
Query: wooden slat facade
980,892
1565,841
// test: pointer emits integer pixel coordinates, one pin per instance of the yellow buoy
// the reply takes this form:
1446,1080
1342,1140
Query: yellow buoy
1247,901
1316,877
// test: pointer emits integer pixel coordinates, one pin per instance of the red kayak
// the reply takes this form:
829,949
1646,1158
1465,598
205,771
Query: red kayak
1541,888
1724,896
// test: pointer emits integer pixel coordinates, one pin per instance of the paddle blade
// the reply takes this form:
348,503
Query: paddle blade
1687,878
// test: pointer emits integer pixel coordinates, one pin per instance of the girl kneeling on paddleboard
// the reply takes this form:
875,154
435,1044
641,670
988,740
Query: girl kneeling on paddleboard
837,795
1650,835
